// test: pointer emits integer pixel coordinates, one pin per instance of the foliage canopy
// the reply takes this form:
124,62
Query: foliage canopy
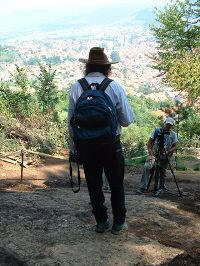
177,33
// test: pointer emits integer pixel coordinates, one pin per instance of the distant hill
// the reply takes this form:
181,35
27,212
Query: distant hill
33,22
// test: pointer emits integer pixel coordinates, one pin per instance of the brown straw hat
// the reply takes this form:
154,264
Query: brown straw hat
97,57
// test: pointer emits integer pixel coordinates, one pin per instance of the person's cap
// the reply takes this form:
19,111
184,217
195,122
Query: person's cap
169,120
97,57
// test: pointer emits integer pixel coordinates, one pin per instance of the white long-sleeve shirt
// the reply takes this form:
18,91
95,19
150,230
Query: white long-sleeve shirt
116,94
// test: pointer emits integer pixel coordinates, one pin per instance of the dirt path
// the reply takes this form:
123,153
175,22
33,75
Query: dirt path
43,223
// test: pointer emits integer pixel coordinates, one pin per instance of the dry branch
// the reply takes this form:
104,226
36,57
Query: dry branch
45,155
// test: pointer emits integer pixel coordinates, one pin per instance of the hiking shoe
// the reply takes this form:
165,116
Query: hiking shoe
141,190
102,227
119,228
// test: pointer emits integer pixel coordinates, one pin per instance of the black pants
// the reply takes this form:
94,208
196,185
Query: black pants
111,160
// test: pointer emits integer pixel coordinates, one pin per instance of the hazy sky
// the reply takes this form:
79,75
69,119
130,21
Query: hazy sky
11,6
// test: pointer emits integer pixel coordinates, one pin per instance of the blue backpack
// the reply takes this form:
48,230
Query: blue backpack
94,121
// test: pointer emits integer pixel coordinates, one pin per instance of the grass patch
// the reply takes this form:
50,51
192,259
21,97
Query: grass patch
181,167
135,162
196,167
188,158
7,144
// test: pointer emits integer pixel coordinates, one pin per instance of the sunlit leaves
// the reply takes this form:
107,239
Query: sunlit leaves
177,33
46,89
184,73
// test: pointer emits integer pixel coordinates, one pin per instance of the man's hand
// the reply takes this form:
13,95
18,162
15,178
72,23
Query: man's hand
150,161
150,158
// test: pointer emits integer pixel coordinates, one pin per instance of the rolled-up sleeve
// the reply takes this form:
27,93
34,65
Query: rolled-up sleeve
70,113
75,92
174,138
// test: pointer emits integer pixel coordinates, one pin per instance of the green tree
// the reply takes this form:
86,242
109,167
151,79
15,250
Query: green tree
196,7
21,78
46,89
177,33
184,73
189,126
18,104
136,135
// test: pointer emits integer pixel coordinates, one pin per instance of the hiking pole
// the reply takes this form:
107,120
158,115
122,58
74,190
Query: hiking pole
179,192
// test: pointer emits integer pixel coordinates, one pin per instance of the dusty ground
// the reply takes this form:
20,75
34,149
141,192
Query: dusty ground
42,222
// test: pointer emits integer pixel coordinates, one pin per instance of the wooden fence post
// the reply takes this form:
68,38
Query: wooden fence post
22,165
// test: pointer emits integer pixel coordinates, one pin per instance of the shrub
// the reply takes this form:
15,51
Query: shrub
135,162
20,104
196,167
133,140
181,167
145,89
135,136
7,144
48,137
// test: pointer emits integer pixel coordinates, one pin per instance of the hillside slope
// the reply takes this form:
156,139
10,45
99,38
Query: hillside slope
44,223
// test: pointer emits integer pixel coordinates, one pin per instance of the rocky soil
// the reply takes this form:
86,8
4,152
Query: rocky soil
42,222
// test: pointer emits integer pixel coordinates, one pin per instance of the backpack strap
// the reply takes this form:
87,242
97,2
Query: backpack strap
71,177
84,84
104,84
157,131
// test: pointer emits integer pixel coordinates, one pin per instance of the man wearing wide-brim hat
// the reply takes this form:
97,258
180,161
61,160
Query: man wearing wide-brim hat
111,161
